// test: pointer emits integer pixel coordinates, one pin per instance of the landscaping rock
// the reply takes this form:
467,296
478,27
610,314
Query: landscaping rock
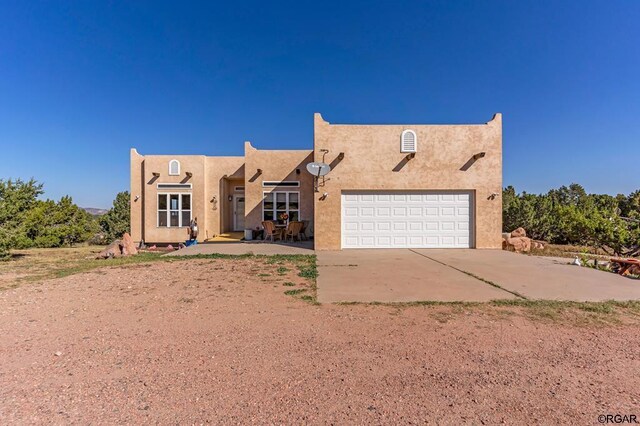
123,247
128,246
538,245
113,250
519,232
517,244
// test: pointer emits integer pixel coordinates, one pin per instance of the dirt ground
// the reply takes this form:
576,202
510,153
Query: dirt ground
219,341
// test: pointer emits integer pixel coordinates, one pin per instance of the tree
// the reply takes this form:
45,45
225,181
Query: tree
568,215
117,220
50,224
16,199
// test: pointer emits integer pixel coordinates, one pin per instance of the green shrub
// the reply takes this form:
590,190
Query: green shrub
568,215
117,220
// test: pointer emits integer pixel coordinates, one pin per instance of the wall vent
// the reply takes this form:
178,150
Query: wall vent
174,168
408,141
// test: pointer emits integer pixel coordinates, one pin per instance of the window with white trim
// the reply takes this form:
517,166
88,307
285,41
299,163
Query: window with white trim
278,202
174,168
174,210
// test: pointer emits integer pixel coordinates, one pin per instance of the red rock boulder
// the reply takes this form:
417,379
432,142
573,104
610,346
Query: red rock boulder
128,246
113,250
519,232
517,244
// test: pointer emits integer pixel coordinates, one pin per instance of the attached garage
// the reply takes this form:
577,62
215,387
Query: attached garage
407,219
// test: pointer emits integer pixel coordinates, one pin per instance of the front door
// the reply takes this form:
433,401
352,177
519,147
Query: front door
238,212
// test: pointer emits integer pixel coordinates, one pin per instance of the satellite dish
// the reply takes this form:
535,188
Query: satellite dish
318,169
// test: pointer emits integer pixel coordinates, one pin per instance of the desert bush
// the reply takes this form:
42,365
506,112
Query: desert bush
27,222
117,220
49,224
17,197
568,215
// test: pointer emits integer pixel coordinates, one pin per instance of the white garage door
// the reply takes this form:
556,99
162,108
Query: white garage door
392,219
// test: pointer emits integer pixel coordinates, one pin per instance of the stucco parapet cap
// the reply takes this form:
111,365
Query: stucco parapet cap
177,156
497,117
281,151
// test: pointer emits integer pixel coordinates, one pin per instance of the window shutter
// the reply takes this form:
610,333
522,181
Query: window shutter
409,141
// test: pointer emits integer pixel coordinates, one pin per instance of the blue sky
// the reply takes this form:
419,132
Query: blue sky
82,82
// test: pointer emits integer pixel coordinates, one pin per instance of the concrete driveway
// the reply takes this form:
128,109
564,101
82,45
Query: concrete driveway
406,275
246,247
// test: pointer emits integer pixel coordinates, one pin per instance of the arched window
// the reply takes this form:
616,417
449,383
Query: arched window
408,141
174,168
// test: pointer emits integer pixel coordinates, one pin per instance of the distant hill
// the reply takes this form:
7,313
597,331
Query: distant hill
95,212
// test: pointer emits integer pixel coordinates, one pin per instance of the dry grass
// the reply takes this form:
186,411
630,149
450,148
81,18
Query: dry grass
571,251
33,265
38,264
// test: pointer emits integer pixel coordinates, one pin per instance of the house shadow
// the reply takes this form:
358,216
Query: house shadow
254,216
402,163
471,161
336,161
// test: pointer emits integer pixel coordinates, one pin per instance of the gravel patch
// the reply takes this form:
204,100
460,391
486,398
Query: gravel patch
219,341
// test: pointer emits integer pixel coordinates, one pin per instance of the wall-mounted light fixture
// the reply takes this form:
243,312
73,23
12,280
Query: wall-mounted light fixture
259,171
410,156
156,174
189,174
214,202
136,198
230,198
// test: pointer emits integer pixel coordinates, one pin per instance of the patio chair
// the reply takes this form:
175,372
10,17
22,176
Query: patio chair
293,230
270,231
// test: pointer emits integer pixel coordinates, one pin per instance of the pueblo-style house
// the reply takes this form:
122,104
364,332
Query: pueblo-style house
387,186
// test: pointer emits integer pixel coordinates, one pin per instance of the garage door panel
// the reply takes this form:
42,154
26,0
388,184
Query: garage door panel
447,211
463,241
426,219
399,226
367,226
415,226
351,226
447,226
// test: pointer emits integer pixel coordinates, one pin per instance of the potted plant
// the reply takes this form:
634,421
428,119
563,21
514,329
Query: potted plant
283,218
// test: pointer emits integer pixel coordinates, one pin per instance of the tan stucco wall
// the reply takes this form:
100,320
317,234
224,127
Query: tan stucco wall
136,163
371,152
276,166
208,180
